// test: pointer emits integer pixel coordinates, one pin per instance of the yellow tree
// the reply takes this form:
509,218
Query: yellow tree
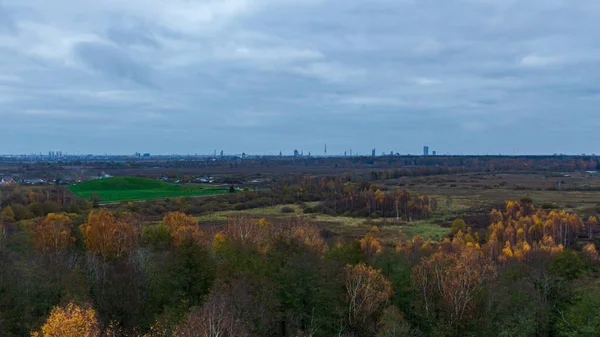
7,214
70,321
53,233
307,234
367,293
107,236
592,222
591,252
183,228
371,244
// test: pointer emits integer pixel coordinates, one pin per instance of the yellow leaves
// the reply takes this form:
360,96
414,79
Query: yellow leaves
7,214
590,250
53,233
107,236
308,235
70,321
507,252
371,244
183,228
520,235
219,240
495,216
263,223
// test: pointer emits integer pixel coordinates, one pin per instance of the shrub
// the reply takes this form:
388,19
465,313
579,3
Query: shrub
287,209
549,205
309,210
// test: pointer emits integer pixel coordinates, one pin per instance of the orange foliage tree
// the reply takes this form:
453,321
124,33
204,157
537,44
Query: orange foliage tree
307,234
53,233
522,230
71,320
108,236
183,228
592,223
371,244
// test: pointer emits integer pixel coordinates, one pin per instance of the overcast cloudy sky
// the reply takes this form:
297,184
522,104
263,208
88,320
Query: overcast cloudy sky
263,76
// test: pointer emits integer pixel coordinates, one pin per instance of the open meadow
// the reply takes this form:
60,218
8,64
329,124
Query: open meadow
116,189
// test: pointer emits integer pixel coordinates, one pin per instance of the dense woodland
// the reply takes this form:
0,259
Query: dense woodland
149,269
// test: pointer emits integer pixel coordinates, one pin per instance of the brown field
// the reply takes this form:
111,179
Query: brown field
473,197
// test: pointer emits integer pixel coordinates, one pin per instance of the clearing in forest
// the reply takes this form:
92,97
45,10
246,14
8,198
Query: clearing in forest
116,189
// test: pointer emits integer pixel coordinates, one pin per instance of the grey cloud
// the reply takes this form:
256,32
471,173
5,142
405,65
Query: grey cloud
132,36
7,22
462,76
111,61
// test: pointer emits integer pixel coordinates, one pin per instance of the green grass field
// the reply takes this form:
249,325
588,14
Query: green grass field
116,189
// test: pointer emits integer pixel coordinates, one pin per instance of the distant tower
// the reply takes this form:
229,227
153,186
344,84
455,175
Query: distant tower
296,153
221,154
325,148
434,153
425,150
373,153
345,153
280,154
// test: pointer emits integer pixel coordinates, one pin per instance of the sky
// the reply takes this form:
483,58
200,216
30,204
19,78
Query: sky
264,76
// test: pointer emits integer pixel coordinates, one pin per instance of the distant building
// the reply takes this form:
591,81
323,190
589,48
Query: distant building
146,155
434,153
7,181
425,150
373,153
296,153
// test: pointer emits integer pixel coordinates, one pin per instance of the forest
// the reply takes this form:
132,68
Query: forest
69,267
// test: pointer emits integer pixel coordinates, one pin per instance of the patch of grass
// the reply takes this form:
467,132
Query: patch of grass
132,188
267,211
426,229
347,227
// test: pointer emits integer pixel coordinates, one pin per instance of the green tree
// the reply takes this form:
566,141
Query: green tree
458,225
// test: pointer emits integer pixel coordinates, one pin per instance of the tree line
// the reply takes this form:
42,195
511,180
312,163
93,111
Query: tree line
110,274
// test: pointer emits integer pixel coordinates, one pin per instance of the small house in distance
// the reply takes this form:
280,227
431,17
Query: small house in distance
7,181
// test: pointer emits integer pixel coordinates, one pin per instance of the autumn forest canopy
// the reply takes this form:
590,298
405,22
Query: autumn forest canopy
498,249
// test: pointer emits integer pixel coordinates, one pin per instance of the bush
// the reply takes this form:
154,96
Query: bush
458,225
309,210
287,209
549,205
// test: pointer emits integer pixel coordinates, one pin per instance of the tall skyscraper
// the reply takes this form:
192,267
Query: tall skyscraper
425,150
373,153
